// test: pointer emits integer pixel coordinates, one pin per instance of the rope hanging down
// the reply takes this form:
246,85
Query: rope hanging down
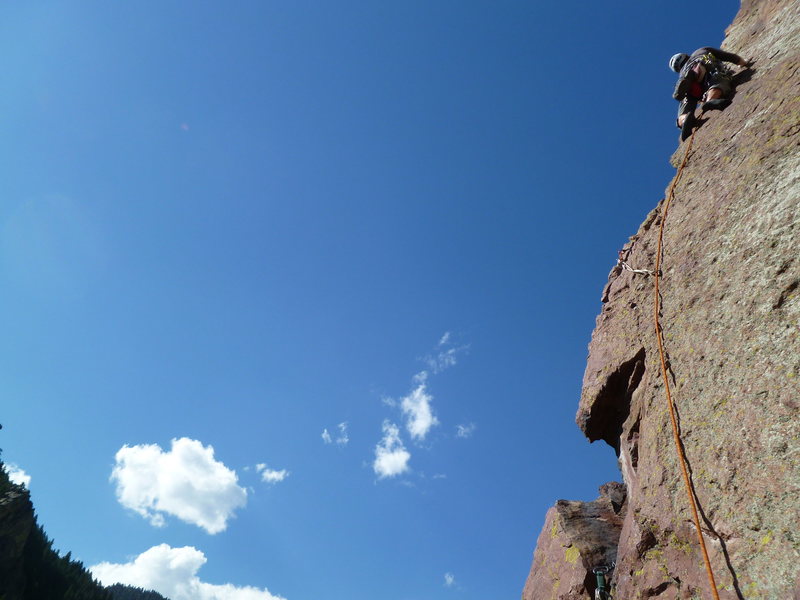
660,338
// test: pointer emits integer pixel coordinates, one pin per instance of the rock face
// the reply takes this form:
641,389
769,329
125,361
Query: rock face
730,312
576,537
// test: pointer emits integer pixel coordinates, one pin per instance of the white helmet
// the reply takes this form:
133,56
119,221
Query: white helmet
677,61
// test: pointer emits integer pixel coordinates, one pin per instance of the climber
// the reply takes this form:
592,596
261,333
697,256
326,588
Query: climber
704,78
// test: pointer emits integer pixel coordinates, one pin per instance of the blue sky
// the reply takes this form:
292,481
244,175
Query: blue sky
237,226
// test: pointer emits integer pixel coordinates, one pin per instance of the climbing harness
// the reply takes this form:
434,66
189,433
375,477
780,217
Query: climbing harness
670,404
601,592
715,66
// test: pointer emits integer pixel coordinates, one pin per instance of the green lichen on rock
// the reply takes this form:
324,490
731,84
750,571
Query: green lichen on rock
571,554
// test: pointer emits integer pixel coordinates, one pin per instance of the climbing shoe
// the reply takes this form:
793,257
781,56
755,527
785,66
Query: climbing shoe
688,124
718,104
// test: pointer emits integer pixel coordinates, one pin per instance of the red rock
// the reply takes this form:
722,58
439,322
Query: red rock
576,537
730,312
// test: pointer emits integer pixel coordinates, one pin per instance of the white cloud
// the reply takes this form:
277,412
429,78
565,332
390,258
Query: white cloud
172,572
442,360
18,475
271,476
341,440
449,580
419,415
465,431
186,482
445,356
391,457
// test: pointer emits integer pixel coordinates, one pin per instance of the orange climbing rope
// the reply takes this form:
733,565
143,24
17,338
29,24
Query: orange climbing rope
660,338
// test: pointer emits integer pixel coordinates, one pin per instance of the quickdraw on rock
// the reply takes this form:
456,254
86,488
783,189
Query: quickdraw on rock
627,267
601,592
625,253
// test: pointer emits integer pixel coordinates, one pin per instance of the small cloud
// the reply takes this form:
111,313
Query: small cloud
186,482
442,361
419,415
440,476
391,457
172,572
270,475
343,438
465,431
185,126
449,580
17,475
446,355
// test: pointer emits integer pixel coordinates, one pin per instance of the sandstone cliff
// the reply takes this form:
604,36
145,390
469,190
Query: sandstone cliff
731,317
